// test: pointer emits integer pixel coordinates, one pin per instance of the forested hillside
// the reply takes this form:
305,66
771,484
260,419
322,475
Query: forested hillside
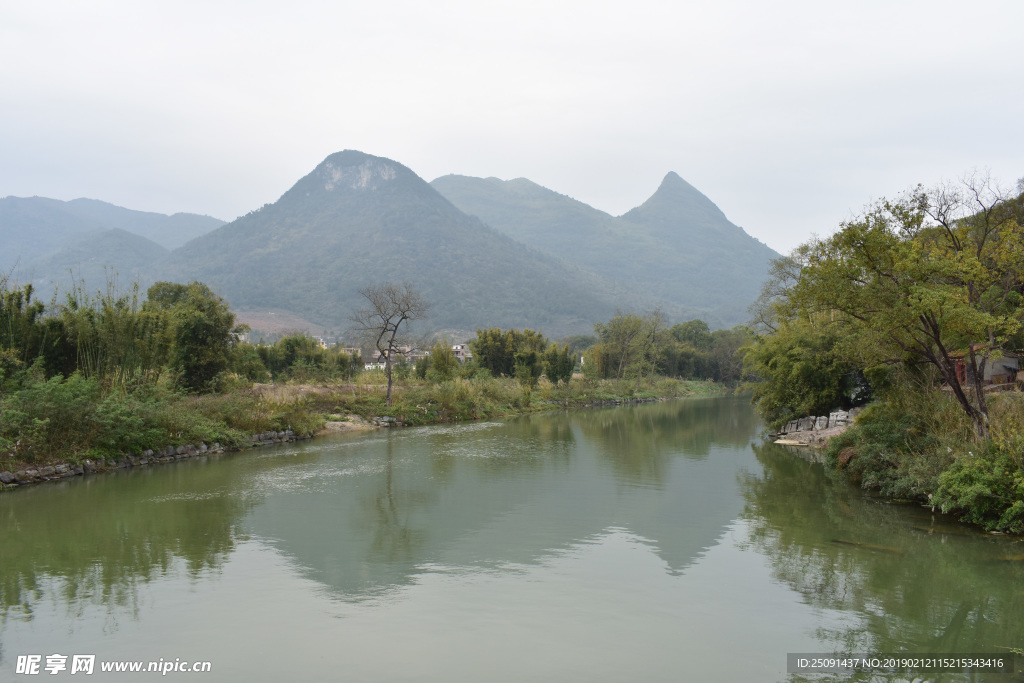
526,257
359,219
677,247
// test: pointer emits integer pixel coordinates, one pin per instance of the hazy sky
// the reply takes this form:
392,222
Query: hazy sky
790,115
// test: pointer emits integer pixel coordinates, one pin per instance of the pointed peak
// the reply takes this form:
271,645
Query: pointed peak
678,202
673,182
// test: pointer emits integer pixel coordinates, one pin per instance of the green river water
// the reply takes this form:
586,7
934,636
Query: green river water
662,542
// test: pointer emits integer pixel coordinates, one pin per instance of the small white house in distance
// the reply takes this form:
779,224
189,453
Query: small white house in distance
462,352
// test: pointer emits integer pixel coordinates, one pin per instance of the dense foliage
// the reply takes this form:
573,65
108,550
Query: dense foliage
911,302
502,352
632,346
293,357
804,371
104,375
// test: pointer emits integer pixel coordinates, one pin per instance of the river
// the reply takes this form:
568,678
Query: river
661,542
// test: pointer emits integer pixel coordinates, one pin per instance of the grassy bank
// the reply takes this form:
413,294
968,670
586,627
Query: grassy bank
74,419
459,399
919,445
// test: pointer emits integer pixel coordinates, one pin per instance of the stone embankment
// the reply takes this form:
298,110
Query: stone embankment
816,430
35,475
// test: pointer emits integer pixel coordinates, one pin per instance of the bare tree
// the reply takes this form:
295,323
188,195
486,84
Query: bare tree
385,321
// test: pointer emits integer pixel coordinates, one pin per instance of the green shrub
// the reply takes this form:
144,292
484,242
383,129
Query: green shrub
986,488
985,485
897,450
51,418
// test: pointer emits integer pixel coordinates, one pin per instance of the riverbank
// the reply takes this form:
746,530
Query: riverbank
254,415
920,446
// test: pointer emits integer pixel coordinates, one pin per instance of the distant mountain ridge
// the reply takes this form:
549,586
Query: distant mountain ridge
89,262
356,220
485,252
169,231
49,241
677,246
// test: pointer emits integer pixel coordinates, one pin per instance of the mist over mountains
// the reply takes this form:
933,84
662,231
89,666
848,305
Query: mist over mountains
484,252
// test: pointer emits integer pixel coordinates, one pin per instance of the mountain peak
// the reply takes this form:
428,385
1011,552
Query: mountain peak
356,170
678,202
674,186
350,175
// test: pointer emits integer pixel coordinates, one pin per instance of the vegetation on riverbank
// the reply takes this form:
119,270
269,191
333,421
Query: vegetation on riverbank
417,402
97,378
910,306
69,420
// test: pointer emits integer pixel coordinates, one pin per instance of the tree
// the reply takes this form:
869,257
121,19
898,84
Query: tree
559,363
726,358
801,372
200,331
499,352
933,277
385,321
629,344
528,368
443,363
694,333
21,327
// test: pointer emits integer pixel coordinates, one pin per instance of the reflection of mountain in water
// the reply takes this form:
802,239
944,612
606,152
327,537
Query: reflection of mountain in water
370,514
364,514
909,580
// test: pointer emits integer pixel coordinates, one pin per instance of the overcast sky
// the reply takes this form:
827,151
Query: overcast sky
790,115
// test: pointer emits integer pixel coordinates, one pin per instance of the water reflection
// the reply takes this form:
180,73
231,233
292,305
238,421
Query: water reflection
94,541
575,525
363,515
394,541
906,579
640,443
500,494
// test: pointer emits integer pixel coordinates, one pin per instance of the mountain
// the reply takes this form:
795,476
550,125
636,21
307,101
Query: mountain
677,246
679,205
115,256
88,243
35,226
531,213
170,232
32,228
357,220
485,252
